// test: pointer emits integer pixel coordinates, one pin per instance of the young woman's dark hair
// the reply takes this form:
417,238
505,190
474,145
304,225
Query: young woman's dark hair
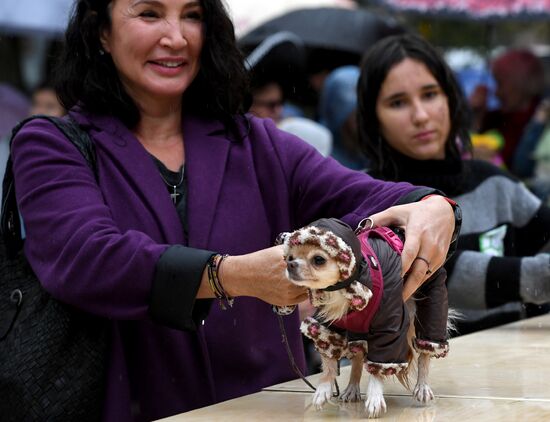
87,76
376,65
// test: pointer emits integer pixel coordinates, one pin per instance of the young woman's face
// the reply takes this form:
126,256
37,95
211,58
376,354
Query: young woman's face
413,111
155,45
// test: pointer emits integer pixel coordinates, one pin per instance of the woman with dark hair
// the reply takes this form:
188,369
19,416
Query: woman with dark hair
184,178
413,127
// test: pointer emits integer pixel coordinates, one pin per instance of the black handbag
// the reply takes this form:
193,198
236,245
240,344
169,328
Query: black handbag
52,356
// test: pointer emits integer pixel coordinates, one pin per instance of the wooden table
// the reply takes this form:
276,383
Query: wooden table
501,374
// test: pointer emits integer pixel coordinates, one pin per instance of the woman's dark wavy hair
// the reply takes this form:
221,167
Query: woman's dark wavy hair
376,65
88,78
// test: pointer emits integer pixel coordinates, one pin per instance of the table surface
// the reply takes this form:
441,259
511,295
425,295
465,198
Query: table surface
501,374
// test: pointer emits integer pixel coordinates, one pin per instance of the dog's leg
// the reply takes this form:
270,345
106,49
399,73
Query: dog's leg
422,391
375,403
353,391
324,389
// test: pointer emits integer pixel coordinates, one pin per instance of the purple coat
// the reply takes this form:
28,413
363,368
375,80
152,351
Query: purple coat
97,247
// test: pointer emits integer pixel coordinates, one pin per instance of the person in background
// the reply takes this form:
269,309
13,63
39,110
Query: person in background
14,106
524,160
532,160
44,101
267,102
275,66
413,127
337,106
519,77
172,245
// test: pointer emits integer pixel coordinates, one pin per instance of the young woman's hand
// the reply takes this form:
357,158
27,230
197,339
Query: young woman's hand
429,226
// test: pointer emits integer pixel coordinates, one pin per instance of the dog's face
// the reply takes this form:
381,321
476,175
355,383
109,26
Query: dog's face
310,266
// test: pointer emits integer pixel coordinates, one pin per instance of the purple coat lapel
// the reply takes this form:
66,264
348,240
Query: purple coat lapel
206,153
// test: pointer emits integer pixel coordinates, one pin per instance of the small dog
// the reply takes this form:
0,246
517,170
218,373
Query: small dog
356,286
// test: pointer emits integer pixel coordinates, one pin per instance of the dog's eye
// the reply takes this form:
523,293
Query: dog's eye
319,260
290,258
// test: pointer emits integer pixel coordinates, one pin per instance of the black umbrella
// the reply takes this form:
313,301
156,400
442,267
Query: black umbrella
349,31
279,58
475,9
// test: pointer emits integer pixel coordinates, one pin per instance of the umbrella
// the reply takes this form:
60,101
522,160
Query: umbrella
28,17
338,29
248,14
476,9
482,16
280,58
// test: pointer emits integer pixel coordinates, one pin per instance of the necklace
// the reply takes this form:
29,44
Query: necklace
174,195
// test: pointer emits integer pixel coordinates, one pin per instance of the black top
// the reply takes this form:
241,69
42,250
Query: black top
179,181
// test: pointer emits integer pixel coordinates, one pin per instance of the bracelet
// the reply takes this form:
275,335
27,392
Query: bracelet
213,268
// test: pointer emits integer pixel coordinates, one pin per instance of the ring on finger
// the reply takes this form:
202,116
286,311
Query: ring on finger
428,271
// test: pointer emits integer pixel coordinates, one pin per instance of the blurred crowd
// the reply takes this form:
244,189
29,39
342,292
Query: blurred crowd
507,97
312,94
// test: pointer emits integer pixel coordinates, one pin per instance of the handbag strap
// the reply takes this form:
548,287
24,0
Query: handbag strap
10,223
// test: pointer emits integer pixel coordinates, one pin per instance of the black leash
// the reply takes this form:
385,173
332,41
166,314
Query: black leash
293,362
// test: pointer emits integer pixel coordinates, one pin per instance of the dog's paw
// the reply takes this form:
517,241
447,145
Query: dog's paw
423,393
322,395
351,393
375,406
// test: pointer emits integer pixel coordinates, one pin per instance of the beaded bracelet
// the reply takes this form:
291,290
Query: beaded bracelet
213,267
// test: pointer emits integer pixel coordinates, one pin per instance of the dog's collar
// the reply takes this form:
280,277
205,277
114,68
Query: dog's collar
346,283
358,295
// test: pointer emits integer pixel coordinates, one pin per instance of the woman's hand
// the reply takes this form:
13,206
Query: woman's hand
261,274
429,226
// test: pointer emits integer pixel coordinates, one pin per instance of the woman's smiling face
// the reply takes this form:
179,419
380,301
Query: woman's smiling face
155,45
413,111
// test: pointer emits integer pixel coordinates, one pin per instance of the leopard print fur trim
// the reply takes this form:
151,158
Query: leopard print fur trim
327,342
284,310
434,349
357,293
357,346
329,242
385,369
318,298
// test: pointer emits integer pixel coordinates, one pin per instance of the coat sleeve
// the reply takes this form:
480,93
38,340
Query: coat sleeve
479,280
73,244
321,187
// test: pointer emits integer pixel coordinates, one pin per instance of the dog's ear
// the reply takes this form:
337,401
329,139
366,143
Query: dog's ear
281,238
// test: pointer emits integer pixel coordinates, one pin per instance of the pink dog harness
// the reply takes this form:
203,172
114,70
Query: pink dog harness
359,321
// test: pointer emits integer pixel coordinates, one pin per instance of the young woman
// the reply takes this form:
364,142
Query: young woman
413,127
184,177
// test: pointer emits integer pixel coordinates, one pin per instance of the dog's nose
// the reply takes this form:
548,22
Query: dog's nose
291,265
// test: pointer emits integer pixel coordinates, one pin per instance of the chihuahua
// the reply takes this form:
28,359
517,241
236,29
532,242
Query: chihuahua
356,287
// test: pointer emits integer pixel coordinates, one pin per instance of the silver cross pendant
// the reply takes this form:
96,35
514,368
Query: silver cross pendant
174,195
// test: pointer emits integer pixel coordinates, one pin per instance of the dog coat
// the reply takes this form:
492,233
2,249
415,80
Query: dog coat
378,321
